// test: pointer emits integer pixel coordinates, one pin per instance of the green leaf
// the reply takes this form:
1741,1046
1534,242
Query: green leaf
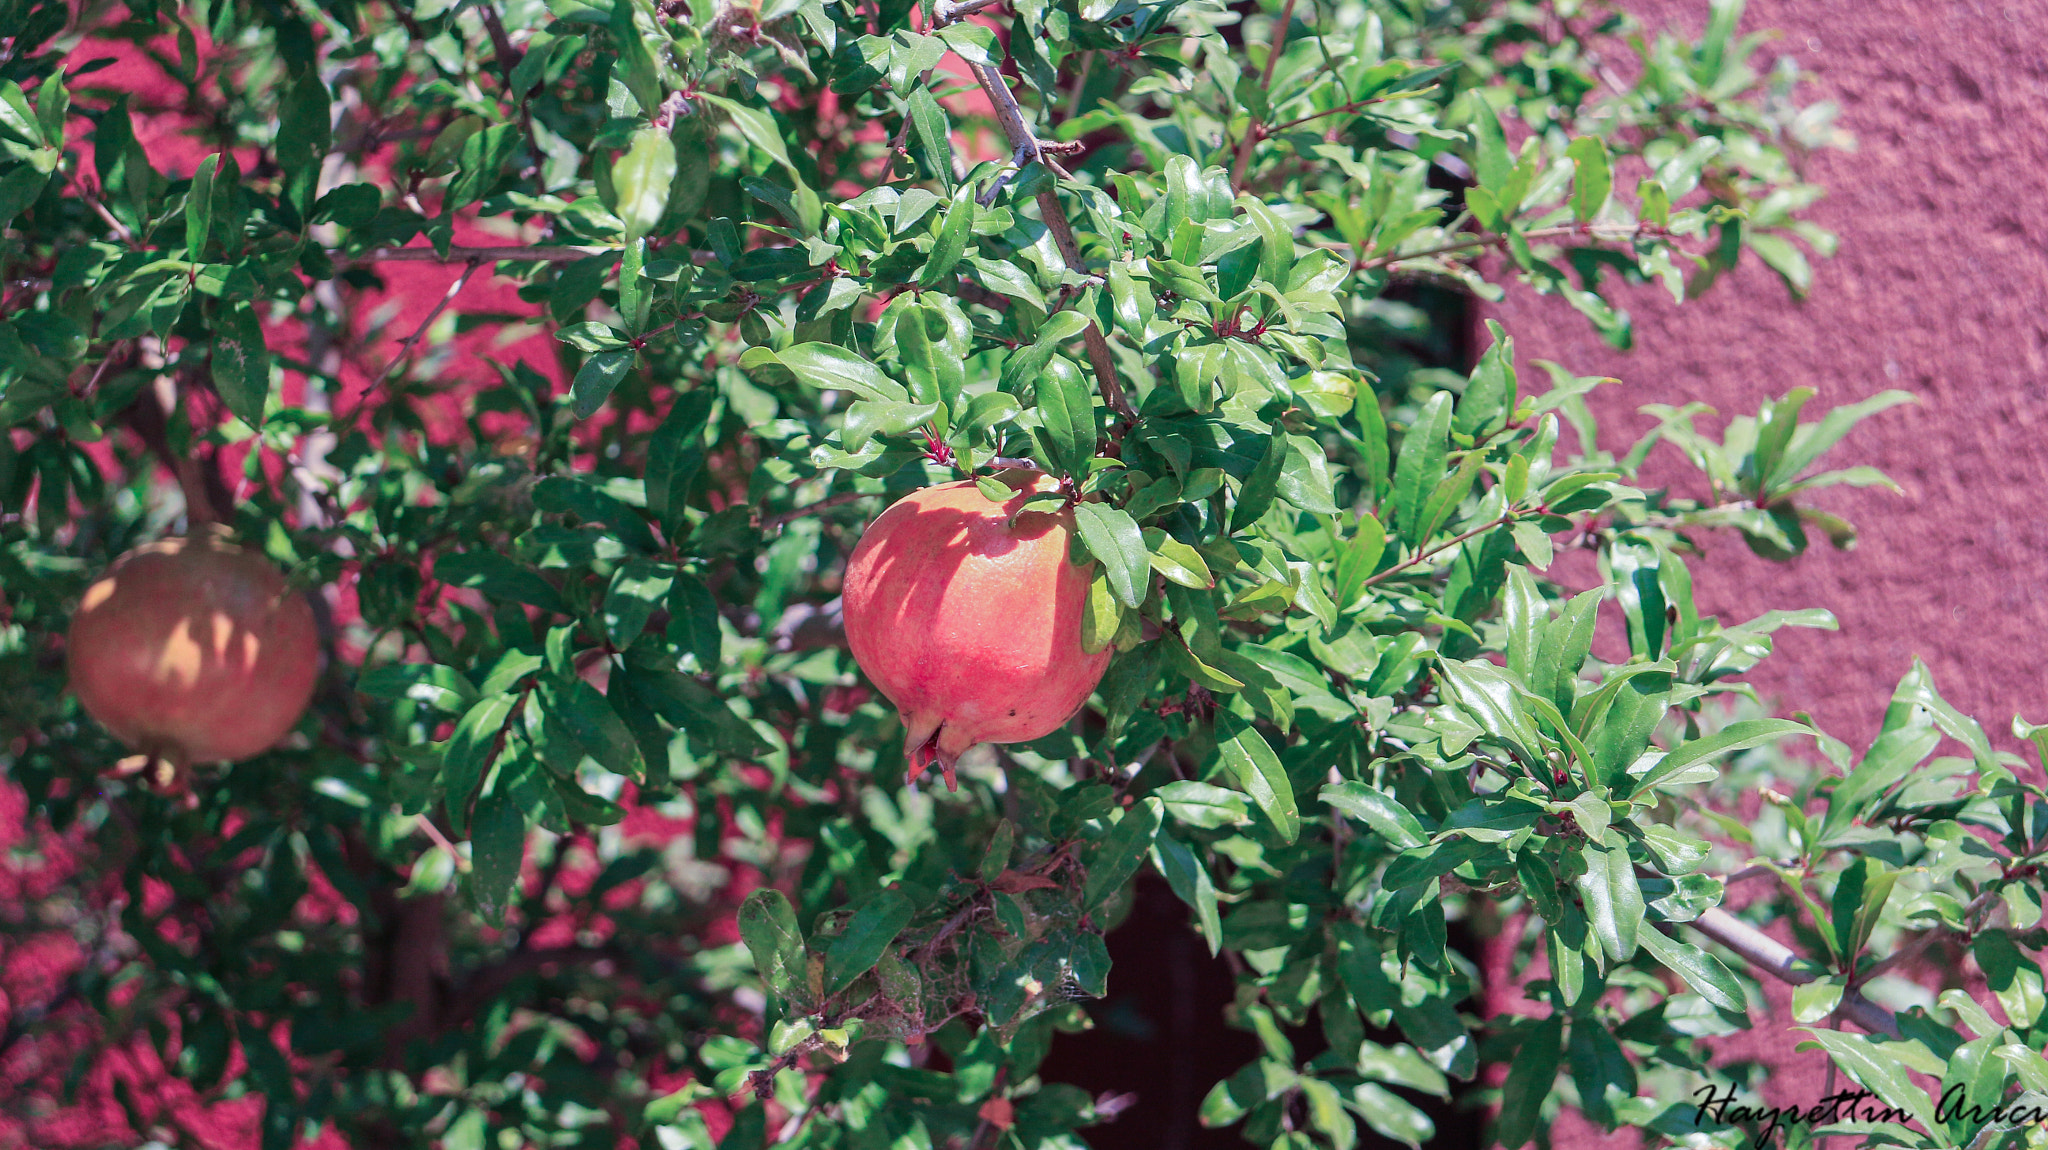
954,236
588,718
1917,690
675,453
866,938
931,142
1191,883
1811,441
483,160
596,378
497,847
1327,1115
1176,560
1390,1114
1101,616
1880,1071
562,495
1357,561
199,208
1122,852
768,927
1779,254
866,418
1530,1077
2014,978
1262,485
1619,731
241,362
1378,810
1066,412
996,859
1701,971
641,180
1594,179
1114,540
1251,763
1305,479
1737,736
756,125
498,577
1421,465
469,754
443,688
831,368
1023,368
1613,900
1204,805
1491,395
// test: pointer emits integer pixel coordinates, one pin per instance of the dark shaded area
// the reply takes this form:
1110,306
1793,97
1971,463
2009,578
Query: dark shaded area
1161,1035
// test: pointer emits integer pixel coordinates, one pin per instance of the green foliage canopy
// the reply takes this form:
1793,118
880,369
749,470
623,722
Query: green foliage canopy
586,690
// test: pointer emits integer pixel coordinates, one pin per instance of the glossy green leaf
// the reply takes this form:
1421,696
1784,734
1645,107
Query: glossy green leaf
241,363
1115,541
768,927
1613,900
1530,1078
1122,851
1250,762
865,939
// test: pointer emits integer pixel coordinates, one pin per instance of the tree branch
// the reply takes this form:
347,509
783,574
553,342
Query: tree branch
1767,954
1444,546
1028,148
456,255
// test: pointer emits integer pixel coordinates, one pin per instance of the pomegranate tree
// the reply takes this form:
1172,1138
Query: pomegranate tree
194,649
966,613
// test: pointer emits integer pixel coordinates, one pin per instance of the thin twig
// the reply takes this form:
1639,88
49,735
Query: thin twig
1256,131
556,255
947,12
405,349
771,522
426,824
1021,138
412,341
1444,546
1501,238
1912,949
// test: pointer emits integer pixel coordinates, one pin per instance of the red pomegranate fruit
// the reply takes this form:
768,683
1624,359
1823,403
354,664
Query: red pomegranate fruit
194,650
967,615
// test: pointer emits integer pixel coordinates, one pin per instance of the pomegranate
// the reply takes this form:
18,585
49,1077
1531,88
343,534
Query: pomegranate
193,650
967,615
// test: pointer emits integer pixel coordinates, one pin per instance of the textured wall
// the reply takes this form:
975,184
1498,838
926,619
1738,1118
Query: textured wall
1940,288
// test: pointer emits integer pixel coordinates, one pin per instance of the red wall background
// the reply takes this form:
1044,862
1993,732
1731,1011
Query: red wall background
1940,287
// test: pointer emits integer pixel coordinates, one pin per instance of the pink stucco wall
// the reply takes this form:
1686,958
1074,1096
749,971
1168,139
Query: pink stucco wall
1940,288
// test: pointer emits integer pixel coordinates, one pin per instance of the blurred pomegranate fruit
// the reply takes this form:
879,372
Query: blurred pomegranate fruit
967,615
193,650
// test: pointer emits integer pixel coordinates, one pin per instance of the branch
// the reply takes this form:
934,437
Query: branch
1028,148
1444,546
1767,954
1499,239
405,349
507,57
1256,131
555,255
770,522
948,12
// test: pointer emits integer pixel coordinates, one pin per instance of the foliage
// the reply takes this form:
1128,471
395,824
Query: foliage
594,832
